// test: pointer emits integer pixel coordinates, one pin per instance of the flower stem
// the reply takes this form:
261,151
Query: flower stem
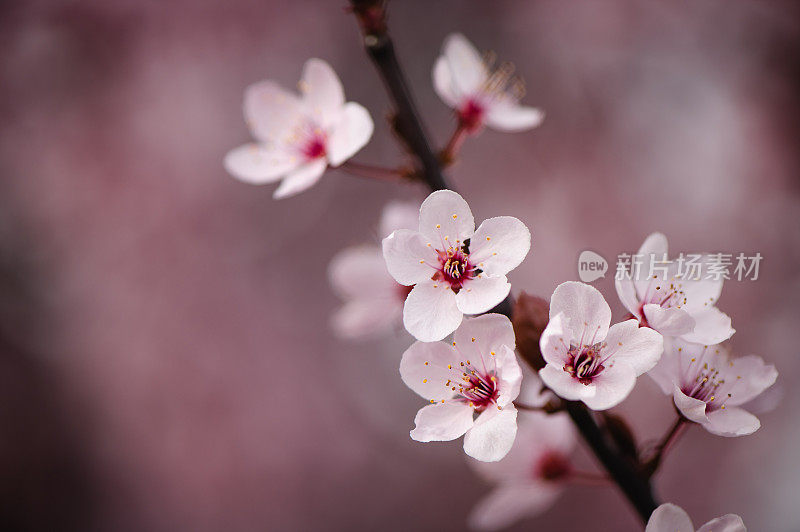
586,478
669,439
450,152
378,44
373,172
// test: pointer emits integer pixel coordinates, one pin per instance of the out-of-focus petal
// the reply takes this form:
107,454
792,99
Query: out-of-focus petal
508,116
508,504
257,164
349,134
322,90
669,518
467,70
301,179
726,523
271,111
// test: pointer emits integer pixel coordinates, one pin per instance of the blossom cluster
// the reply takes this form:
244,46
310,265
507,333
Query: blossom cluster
440,277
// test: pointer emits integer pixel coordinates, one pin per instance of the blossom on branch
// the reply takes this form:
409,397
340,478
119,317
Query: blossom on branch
455,270
373,300
530,478
709,387
674,298
586,359
479,95
471,384
298,137
671,518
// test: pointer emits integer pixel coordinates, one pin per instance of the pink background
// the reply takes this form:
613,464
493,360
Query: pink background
172,366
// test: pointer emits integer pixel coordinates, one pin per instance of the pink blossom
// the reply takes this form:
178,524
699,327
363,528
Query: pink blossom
671,518
298,137
586,359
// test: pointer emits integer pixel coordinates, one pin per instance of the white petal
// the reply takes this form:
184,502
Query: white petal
349,133
408,259
669,518
322,91
509,373
478,337
482,293
443,83
362,319
711,326
654,248
424,369
507,504
627,295
398,215
655,244
499,245
468,72
257,164
586,311
441,422
640,347
359,272
430,312
492,435
510,116
613,385
300,179
666,373
726,523
565,385
755,378
272,112
732,421
668,321
445,219
691,408
702,293
554,342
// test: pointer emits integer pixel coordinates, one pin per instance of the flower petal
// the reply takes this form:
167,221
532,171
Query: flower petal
322,91
467,70
492,435
711,326
509,503
613,385
271,111
565,385
756,377
349,133
627,295
441,422
666,373
362,319
408,259
510,374
445,219
726,523
554,342
426,367
669,518
640,347
510,116
691,408
668,321
482,293
257,164
586,311
499,245
359,272
732,421
480,336
443,83
301,179
430,312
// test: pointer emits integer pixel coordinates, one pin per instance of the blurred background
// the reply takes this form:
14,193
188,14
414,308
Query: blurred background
166,360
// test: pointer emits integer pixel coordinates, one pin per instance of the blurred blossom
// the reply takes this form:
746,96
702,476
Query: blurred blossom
477,373
480,96
531,476
373,300
675,298
586,359
709,386
298,137
455,269
671,518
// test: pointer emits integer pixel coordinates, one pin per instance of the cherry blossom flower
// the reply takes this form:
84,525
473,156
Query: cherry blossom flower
530,478
586,359
480,96
471,384
455,269
298,137
709,387
671,518
675,298
373,300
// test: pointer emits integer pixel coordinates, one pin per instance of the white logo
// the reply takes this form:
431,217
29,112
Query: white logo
591,266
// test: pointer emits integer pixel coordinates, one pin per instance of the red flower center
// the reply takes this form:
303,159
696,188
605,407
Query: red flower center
471,114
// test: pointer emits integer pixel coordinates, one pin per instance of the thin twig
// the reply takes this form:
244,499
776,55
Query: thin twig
661,449
450,153
374,172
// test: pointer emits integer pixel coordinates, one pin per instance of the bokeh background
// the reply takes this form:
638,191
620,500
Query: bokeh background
165,356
